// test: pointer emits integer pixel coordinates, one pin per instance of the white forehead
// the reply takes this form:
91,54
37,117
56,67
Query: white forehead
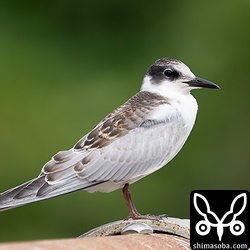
182,68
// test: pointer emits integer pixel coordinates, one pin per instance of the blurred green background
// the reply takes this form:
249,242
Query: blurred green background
64,65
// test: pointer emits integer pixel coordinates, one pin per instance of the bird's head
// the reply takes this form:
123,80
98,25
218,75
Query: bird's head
172,76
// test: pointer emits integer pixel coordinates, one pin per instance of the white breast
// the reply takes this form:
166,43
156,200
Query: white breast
180,117
183,106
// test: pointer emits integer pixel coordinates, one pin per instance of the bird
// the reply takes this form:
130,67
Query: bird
136,139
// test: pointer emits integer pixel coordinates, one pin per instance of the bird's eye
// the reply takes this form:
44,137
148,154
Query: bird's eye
169,73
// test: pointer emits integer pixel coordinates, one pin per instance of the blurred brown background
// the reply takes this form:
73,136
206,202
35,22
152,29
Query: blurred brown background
64,65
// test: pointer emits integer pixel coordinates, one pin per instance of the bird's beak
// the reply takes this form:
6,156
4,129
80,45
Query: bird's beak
202,83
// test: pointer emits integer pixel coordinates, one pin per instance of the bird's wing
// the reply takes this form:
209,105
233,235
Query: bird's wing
121,148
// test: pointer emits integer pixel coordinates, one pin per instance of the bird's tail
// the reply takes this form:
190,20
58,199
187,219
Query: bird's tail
36,190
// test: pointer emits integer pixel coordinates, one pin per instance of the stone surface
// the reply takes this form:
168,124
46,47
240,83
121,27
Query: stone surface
125,242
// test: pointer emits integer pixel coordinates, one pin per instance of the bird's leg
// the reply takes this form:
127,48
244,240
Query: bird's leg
133,213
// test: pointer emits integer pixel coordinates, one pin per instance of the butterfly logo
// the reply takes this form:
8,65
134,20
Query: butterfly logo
203,227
